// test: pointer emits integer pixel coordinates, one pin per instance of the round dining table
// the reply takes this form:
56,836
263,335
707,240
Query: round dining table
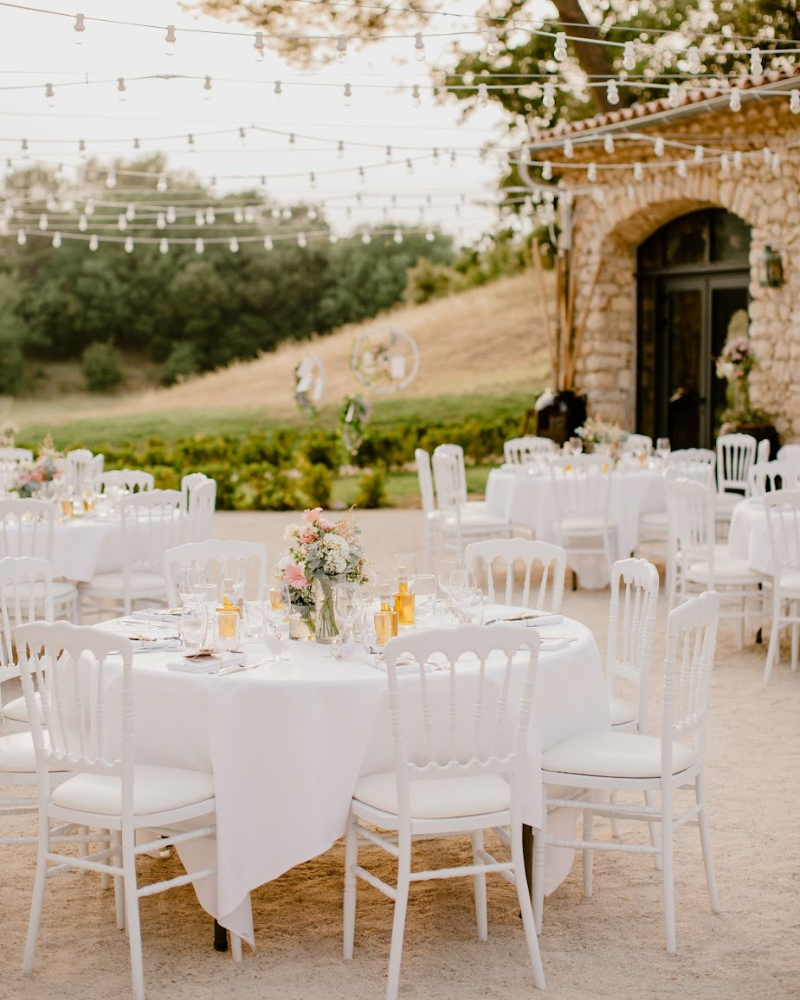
287,741
526,496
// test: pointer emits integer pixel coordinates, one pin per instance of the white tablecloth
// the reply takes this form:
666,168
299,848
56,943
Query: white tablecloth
748,536
528,498
287,742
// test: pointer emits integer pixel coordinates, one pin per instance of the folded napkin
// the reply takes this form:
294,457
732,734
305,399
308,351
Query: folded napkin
154,615
206,664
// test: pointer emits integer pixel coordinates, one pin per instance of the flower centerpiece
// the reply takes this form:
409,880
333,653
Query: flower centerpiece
322,552
601,435
8,433
33,479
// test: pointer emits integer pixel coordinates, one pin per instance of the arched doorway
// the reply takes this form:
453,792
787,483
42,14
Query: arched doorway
693,278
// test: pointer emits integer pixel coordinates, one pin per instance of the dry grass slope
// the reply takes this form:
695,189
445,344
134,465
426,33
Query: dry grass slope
487,339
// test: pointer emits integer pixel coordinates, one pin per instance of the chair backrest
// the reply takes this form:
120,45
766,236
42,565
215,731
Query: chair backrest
735,454
631,624
790,453
783,525
210,555
483,556
200,503
152,522
692,455
26,528
127,480
83,470
638,442
188,482
425,478
582,485
765,477
763,451
520,450
699,470
447,480
689,660
457,452
693,509
16,455
88,731
468,717
26,594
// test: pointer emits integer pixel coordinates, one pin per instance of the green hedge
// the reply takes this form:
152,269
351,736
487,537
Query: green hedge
284,469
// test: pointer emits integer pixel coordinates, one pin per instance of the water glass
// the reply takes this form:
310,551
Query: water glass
348,602
194,626
446,568
191,582
228,624
254,619
425,594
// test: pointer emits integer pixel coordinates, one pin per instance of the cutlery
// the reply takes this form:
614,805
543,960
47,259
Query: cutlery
235,668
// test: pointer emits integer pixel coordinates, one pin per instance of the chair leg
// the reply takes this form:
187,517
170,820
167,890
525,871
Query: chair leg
525,908
119,881
588,853
669,879
793,612
705,841
399,923
655,831
132,913
350,861
39,887
774,650
613,799
480,887
539,861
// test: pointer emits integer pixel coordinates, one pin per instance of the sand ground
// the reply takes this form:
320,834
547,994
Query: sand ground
608,946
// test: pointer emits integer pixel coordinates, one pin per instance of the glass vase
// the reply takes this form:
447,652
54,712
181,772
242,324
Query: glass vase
327,630
301,623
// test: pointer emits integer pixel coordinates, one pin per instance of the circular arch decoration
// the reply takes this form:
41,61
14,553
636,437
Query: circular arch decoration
385,359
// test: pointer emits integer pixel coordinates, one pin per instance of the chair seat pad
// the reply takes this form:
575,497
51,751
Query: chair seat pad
725,502
790,583
17,710
655,519
475,520
60,589
156,789
726,570
614,755
622,712
583,522
17,753
437,798
141,583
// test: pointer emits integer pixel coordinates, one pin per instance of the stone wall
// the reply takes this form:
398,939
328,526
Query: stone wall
614,219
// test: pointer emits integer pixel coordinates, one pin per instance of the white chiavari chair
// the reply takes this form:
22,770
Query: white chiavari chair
766,477
782,511
459,523
431,525
520,451
542,560
582,485
211,556
201,501
126,481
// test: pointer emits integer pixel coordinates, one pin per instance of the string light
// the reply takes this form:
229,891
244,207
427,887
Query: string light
366,239
348,95
161,222
756,65
163,246
738,160
199,218
93,242
122,223
249,215
547,170
128,244
693,60
268,244
56,241
724,164
410,166
82,149
78,29
638,171
398,236
341,49
136,144
233,245
658,146
170,39
190,142
492,43
258,45
207,88
569,150
560,47
388,154
199,245
429,236
591,173
111,179
121,92
312,180
629,56
608,144
89,209
794,102
612,92
22,237
775,164
243,135
419,47
453,158
171,214
50,95
483,95
43,223
211,216
735,103
302,242
674,95
416,100
130,212
277,90
161,185
680,168
549,95
83,223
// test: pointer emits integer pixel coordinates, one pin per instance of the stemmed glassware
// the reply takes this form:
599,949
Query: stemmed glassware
276,610
348,602
424,594
191,584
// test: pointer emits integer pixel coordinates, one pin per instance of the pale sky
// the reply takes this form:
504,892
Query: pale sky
36,49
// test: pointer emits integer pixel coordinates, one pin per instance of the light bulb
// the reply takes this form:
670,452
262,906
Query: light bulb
43,223
776,164
737,160
724,163
410,166
348,95
388,154
275,213
89,209
569,150
341,49
78,29
492,43
59,171
161,185
560,47
207,87
258,45
333,238
238,216
693,59
756,65
163,246
419,47
549,95
268,244
286,214
171,215
111,179
121,91
291,139
56,240
311,214
161,222
190,142
398,236
50,95
591,172
366,238
680,168
674,95
766,152
83,223
199,218
199,245
361,175
93,242
51,204
243,135
658,146
249,215
638,171
302,242
170,39
547,170
453,158
130,212
24,149
483,95
794,102
122,223
735,103
612,92
608,144
22,237
277,90
429,236
211,216
699,154
435,157
233,245
128,244
137,144
340,149
416,100
629,56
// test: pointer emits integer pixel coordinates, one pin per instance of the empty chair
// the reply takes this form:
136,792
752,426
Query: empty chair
456,452
597,764
26,529
459,522
582,485
766,477
212,556
655,526
91,736
460,761
484,556
783,524
126,481
188,482
703,565
520,450
83,470
735,454
763,450
432,517
16,455
635,443
200,503
790,453
151,523
26,594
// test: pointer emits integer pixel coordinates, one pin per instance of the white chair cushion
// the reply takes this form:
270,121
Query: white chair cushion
17,710
726,570
155,789
17,753
60,589
622,712
725,502
141,583
437,798
655,519
614,755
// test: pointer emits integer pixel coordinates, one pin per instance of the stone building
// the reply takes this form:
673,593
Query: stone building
669,214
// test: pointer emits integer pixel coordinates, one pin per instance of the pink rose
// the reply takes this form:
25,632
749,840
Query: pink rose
308,536
325,524
312,515
295,578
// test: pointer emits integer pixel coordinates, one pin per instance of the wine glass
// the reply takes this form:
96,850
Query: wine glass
194,626
348,602
425,593
276,610
576,445
447,567
254,619
191,584
663,448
